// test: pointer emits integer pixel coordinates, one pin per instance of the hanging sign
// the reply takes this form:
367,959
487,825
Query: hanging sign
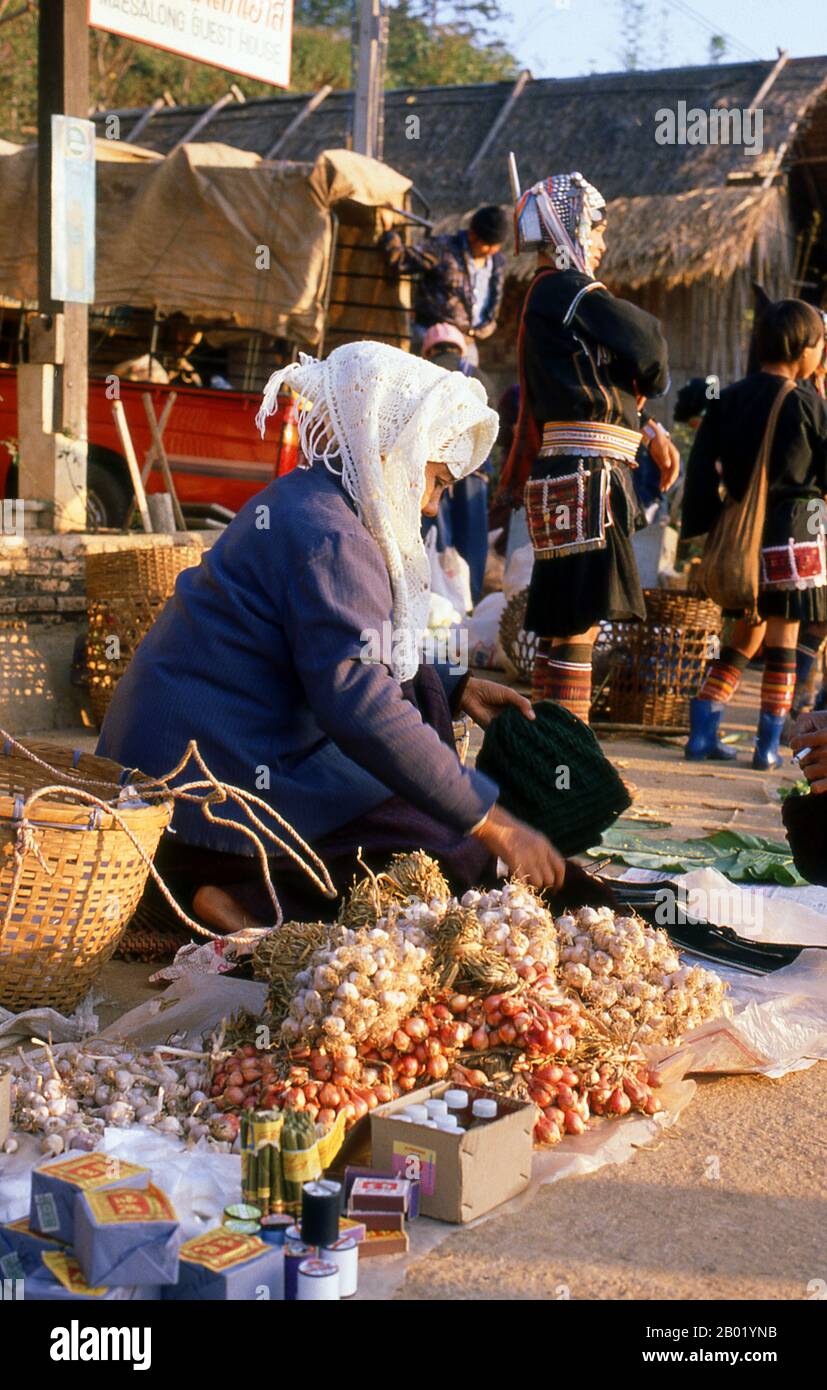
250,37
73,209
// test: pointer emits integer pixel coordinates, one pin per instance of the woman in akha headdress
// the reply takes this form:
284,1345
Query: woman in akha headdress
587,362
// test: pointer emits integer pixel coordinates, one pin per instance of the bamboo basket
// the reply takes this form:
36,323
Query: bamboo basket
70,876
125,592
519,646
652,669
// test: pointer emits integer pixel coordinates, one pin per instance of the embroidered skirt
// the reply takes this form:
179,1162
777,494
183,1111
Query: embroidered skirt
581,512
793,581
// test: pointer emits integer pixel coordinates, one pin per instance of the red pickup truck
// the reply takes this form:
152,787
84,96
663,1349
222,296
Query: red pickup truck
214,449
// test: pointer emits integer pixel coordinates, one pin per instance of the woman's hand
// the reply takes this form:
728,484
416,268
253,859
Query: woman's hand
663,452
811,732
527,853
483,700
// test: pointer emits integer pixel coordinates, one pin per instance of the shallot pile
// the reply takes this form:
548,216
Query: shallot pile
631,976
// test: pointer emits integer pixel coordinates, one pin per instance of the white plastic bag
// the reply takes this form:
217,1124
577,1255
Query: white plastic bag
518,571
483,632
450,575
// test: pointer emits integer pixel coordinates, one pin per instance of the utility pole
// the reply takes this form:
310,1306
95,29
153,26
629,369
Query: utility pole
52,385
369,105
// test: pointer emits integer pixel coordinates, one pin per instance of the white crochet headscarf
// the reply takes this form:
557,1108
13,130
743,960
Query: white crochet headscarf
377,416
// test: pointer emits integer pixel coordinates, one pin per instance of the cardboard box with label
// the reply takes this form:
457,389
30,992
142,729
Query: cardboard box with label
61,1277
21,1248
127,1235
461,1176
222,1264
56,1187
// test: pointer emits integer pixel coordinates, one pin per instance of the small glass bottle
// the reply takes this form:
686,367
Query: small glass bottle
484,1111
459,1104
436,1108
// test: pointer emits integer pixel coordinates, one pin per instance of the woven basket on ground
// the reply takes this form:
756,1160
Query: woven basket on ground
70,877
518,645
125,592
653,668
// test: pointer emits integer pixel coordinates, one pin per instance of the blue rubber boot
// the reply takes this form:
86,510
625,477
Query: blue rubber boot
770,728
703,741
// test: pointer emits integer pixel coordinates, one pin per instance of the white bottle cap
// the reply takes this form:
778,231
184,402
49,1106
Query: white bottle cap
417,1113
484,1109
456,1100
436,1107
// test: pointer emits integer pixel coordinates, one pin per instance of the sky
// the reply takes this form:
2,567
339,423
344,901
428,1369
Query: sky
566,38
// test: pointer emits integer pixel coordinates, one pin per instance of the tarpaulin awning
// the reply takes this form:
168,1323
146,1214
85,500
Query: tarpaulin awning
209,231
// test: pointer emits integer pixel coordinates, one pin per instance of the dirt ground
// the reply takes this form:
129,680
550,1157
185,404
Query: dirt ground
731,1204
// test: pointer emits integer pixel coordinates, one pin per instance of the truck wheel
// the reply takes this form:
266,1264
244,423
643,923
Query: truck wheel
107,492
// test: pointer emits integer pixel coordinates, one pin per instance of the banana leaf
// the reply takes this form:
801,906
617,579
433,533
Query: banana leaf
739,856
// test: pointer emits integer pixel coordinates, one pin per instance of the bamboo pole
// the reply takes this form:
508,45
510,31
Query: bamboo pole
160,453
132,463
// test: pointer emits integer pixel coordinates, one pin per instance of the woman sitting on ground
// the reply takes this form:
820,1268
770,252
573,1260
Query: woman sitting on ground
789,343
273,653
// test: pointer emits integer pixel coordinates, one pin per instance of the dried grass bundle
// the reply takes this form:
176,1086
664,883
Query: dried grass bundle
462,958
283,952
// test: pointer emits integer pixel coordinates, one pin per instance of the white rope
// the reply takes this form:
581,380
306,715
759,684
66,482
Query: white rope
158,789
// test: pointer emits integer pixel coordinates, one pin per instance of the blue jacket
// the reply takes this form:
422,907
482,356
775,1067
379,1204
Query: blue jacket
257,656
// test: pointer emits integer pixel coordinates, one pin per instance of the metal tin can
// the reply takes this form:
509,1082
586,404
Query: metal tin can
242,1211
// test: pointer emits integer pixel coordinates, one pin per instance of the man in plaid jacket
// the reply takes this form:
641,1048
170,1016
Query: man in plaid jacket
460,277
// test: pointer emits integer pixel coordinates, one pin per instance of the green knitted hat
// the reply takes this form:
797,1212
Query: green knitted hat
553,774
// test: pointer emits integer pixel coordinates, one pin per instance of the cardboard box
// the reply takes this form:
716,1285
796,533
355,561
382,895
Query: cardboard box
127,1235
352,1173
379,1194
461,1176
349,1227
57,1185
385,1234
61,1277
222,1264
21,1248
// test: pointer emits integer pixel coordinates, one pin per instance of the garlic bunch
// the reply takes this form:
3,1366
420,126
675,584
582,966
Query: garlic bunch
67,1094
631,977
361,989
516,924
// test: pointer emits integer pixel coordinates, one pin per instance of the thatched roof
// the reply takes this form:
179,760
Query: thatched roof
678,239
603,124
669,203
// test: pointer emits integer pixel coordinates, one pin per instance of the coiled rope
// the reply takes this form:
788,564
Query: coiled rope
151,789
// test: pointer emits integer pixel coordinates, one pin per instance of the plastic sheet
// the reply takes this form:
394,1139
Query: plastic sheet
193,1006
779,1022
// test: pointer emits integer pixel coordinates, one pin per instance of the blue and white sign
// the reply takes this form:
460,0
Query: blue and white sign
73,209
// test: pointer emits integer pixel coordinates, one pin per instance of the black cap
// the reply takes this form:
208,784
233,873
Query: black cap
491,225
691,400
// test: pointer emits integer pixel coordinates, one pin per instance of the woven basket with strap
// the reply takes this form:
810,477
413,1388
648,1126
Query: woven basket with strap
72,870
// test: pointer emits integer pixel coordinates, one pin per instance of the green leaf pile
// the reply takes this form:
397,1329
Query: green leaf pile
740,857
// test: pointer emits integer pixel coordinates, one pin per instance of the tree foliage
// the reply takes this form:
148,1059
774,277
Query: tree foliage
431,42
